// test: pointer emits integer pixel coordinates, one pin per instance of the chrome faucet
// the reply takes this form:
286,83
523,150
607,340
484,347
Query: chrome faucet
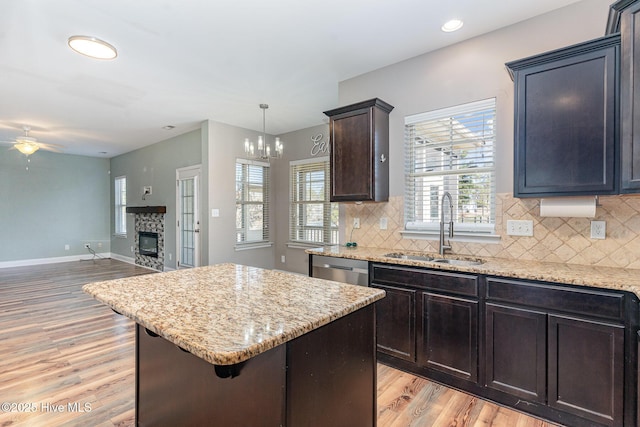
444,247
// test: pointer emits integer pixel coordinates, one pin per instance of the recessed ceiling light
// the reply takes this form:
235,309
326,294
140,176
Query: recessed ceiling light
92,47
168,127
452,25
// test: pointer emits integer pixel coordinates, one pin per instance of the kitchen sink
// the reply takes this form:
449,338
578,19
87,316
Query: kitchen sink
450,261
458,261
412,257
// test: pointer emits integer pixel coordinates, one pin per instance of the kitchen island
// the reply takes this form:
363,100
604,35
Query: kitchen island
236,345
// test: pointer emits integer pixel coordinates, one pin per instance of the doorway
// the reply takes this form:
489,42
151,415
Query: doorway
188,216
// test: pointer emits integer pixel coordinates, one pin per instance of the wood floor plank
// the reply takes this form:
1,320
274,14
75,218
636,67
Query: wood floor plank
58,346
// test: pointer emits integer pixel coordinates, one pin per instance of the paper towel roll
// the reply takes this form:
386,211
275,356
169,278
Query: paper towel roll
575,207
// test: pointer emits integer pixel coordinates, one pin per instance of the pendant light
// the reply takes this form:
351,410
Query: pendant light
263,150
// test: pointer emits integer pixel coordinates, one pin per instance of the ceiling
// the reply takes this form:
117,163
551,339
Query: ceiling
182,62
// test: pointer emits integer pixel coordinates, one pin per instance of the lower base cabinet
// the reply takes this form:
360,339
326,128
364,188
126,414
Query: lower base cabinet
516,360
586,369
395,322
565,353
448,341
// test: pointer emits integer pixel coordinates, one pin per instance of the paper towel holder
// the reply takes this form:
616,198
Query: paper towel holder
569,207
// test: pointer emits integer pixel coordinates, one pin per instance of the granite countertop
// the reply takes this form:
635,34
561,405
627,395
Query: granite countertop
574,274
228,313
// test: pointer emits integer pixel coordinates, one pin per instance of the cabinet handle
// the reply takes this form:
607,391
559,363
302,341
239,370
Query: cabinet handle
383,158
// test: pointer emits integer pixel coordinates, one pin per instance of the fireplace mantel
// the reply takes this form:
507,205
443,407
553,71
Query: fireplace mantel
146,209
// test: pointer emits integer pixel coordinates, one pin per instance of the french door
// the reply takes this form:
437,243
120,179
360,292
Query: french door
188,216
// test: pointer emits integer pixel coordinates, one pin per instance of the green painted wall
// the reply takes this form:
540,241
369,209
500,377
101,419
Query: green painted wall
60,200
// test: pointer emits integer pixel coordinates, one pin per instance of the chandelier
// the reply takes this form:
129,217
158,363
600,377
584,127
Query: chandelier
263,150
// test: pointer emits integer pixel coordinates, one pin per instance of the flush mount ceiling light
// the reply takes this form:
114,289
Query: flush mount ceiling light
92,47
264,150
452,25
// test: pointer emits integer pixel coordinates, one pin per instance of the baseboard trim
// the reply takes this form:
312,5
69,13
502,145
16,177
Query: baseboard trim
55,260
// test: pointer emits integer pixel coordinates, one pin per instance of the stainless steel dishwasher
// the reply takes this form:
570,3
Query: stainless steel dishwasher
352,271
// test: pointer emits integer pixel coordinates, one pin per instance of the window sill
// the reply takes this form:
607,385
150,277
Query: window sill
303,245
462,236
249,246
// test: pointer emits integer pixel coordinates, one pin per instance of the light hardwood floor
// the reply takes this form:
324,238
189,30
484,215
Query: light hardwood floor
68,360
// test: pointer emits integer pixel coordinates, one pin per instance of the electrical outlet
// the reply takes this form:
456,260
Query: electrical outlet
66,247
282,259
356,222
598,230
383,223
87,245
520,227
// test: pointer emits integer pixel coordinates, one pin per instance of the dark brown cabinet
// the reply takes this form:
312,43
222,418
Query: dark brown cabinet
572,338
630,98
586,368
566,120
395,322
359,140
516,359
449,335
428,322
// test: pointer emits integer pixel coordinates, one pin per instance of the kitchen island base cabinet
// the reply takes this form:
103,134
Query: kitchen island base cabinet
324,377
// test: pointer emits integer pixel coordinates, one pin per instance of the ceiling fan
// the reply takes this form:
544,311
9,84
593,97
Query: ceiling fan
28,145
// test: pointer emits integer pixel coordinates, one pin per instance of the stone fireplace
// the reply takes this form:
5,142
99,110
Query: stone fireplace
149,235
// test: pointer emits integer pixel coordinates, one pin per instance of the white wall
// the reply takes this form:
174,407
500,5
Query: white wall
470,71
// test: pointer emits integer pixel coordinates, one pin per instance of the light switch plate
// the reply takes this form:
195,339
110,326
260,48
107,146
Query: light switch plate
520,227
598,230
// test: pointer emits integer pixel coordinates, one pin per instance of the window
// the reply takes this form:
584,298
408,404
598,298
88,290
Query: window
451,150
120,206
313,218
252,202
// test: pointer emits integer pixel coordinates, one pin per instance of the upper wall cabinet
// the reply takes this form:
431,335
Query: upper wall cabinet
565,120
630,99
359,137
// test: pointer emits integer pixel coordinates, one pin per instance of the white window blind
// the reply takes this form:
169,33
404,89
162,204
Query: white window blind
252,201
451,150
312,217
120,205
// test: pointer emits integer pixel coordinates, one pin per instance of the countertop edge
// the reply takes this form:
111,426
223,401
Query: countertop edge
217,357
622,279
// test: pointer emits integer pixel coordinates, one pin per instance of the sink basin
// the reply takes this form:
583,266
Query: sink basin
450,261
458,261
398,255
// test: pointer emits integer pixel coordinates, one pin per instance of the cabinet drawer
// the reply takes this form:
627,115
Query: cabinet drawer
602,304
453,283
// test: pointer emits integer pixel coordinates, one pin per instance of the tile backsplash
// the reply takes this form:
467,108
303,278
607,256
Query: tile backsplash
565,240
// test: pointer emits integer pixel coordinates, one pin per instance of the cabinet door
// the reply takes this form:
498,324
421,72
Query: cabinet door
565,122
395,322
449,336
359,137
630,100
351,153
516,350
586,369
